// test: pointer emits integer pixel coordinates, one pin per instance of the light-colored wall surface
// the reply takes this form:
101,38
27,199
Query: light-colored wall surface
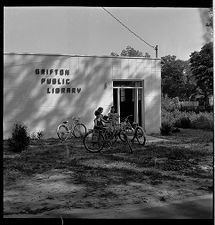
26,96
148,70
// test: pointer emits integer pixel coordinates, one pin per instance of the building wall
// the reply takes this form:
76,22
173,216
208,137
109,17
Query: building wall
28,96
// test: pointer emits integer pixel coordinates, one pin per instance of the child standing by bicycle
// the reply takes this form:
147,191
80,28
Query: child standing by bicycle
113,117
99,121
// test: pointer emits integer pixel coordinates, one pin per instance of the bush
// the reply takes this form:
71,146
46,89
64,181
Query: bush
40,134
183,122
166,128
196,109
33,136
20,139
203,121
170,104
167,116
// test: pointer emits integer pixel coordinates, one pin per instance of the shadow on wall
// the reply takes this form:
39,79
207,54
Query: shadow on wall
26,99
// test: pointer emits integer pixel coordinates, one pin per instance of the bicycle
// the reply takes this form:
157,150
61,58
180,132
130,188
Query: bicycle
134,130
75,128
97,139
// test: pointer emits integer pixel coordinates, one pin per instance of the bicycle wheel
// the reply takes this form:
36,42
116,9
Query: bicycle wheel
122,136
93,141
79,130
63,132
109,138
114,139
129,131
140,135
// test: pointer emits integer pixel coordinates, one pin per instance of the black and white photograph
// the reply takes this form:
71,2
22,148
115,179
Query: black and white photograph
108,112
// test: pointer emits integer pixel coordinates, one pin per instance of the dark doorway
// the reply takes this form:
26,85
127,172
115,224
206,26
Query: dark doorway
126,103
140,107
128,100
115,99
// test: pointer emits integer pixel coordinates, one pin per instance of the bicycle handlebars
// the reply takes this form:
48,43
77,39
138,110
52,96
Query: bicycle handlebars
126,118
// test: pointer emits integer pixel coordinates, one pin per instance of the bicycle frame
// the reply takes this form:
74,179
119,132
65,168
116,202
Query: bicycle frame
70,127
111,134
104,137
134,128
72,123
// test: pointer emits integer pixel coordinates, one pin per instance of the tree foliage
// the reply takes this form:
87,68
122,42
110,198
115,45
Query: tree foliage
114,54
147,55
131,52
176,80
183,79
210,19
201,64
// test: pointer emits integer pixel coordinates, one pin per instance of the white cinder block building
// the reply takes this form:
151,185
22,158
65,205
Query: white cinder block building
42,90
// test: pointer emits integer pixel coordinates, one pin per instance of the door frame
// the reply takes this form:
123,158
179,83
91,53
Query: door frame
135,103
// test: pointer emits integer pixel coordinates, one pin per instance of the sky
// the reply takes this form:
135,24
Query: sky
92,31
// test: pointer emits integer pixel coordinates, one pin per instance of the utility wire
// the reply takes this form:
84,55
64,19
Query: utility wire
154,47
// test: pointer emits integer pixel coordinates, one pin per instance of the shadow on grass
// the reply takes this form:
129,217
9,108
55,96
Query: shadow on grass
115,165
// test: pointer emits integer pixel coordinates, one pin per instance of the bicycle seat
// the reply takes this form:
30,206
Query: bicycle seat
65,122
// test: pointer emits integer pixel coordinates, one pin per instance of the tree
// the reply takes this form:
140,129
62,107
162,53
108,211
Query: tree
201,64
209,24
176,80
114,54
131,52
189,83
147,55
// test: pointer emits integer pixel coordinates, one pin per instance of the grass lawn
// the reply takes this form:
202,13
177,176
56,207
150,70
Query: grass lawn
60,178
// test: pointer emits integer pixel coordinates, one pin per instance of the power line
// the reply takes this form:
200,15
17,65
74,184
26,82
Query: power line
154,47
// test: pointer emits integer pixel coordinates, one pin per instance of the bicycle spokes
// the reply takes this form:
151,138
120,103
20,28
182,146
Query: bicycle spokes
79,130
140,136
63,132
93,141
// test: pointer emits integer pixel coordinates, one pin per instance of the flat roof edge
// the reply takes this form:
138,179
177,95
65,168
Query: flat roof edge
68,55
